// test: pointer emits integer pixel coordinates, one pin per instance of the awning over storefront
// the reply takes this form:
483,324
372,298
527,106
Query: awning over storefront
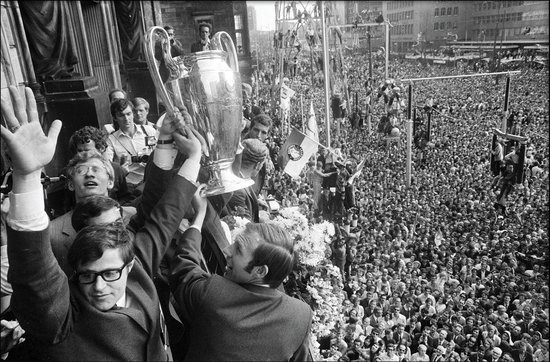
540,48
484,47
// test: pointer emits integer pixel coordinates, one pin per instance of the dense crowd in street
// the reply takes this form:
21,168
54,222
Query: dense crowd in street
434,272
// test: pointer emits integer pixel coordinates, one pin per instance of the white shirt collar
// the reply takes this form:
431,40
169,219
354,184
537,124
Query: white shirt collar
121,303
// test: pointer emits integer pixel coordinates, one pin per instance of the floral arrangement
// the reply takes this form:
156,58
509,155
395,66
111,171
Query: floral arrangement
325,285
326,292
313,242
236,225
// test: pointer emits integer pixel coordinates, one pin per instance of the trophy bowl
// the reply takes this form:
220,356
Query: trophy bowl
211,91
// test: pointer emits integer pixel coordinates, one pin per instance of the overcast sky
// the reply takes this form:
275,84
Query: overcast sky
265,14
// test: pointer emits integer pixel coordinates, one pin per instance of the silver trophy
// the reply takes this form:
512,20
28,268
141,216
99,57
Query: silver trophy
210,89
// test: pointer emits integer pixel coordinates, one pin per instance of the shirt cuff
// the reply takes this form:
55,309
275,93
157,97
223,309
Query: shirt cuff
164,157
27,211
190,170
195,227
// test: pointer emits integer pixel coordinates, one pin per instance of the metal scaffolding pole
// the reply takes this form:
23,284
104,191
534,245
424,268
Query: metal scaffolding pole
504,125
387,49
326,71
409,125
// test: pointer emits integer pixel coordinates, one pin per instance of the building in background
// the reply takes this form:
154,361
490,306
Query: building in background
432,24
97,46
228,16
251,11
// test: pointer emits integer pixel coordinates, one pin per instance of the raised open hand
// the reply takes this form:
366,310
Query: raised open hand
28,148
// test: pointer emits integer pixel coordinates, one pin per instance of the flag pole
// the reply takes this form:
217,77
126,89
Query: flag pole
409,126
325,70
302,108
504,125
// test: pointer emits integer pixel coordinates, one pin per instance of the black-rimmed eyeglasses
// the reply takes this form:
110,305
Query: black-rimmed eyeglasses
109,275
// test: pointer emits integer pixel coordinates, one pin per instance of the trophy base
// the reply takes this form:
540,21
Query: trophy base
223,180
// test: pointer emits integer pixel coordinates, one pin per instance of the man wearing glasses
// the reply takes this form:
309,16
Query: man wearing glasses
204,42
88,173
109,310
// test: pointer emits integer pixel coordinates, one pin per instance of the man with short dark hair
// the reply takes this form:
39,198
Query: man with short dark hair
176,50
260,126
240,316
204,42
132,144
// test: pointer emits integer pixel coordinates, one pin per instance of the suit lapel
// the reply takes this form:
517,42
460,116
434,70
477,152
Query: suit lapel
67,229
140,301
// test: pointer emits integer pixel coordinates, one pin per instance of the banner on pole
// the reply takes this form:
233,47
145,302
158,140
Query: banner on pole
311,128
358,169
286,94
295,152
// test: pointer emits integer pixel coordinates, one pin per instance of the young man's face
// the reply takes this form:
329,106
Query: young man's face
258,131
125,119
100,294
90,178
238,256
141,113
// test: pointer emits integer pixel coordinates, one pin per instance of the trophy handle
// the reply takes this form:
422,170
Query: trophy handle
176,71
222,38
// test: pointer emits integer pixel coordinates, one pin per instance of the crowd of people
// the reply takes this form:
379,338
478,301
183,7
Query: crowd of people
435,271
430,272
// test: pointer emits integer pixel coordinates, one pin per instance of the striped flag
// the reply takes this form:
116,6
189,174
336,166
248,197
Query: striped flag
295,152
311,127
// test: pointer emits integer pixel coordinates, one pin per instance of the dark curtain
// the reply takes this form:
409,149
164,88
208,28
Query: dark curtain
47,28
128,15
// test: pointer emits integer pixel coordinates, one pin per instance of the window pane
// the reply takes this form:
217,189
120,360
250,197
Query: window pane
238,22
239,44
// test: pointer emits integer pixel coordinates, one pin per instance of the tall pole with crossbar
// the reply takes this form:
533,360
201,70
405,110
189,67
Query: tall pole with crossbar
325,70
409,126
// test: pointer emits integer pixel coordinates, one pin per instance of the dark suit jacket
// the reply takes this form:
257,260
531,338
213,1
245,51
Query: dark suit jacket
430,343
62,325
197,47
233,322
245,198
527,357
404,339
